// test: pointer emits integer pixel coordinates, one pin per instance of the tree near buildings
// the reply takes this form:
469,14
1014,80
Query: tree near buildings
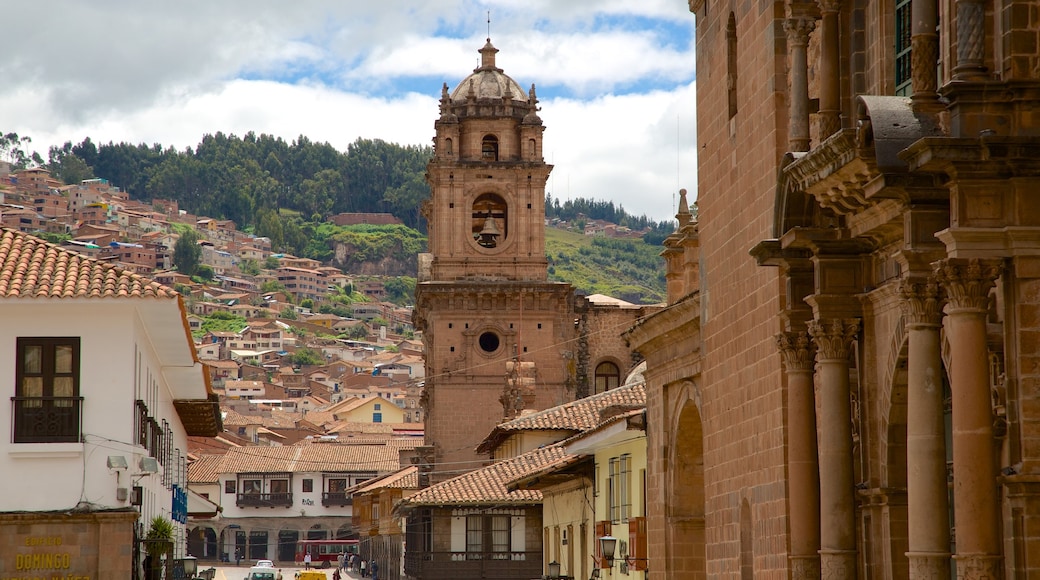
187,254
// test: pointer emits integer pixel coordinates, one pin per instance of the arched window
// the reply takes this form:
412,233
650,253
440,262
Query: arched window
489,148
448,147
607,377
489,226
731,64
531,148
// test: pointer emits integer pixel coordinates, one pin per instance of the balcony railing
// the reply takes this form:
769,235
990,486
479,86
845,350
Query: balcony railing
336,498
490,565
264,500
47,419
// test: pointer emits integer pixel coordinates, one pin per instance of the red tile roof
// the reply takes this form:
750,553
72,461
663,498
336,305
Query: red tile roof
325,456
31,267
576,416
488,485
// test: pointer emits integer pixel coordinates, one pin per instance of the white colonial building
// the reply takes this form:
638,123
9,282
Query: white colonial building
104,390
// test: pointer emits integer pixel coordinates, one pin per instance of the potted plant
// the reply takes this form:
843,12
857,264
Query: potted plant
157,543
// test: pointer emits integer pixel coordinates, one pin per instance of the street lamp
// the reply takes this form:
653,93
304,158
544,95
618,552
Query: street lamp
554,570
606,547
191,566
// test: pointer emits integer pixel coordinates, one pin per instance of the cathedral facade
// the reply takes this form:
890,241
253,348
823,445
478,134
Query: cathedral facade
844,382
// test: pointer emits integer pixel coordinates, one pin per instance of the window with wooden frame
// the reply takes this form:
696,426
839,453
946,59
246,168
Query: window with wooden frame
47,405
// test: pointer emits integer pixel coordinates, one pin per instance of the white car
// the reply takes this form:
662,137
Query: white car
264,564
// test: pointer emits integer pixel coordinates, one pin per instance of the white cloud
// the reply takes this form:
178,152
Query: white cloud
170,72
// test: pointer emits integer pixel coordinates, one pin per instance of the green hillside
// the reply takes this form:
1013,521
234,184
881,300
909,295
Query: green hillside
627,269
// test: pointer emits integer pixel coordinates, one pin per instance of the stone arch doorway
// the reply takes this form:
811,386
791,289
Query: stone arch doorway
685,523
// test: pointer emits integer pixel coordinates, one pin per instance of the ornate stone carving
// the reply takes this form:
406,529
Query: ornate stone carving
979,567
829,5
796,349
805,567
833,337
924,52
798,30
967,282
971,16
837,564
928,566
922,301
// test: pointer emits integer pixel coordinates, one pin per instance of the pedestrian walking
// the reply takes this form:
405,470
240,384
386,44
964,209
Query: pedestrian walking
375,570
363,572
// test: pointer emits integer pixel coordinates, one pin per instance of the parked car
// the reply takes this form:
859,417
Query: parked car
261,573
264,564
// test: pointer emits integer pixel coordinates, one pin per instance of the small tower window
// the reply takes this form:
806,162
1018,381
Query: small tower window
489,148
448,147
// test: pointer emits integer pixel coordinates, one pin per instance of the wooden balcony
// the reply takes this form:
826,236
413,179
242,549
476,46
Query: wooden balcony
333,498
47,419
488,565
264,500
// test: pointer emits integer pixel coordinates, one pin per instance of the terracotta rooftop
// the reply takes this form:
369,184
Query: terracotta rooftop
324,456
576,416
488,485
204,469
407,478
31,267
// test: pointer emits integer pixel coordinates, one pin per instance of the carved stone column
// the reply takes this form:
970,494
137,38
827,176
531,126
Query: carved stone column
830,69
924,55
803,461
926,487
967,284
971,36
798,30
833,339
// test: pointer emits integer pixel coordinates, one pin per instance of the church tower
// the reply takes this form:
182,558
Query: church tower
499,336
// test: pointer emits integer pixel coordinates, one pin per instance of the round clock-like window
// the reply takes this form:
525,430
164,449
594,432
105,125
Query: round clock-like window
489,342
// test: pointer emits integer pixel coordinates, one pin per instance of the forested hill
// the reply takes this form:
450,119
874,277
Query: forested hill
246,178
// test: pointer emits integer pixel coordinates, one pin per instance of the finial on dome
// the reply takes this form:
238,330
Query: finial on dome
487,56
684,216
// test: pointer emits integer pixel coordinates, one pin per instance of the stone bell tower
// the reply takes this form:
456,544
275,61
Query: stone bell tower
499,336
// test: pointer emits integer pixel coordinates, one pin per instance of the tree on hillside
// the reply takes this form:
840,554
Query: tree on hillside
187,254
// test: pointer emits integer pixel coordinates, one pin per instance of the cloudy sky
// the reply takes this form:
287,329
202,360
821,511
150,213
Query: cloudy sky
615,77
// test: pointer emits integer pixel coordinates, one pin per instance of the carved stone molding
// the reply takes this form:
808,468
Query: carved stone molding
967,282
922,302
837,564
971,36
805,567
829,5
929,566
833,337
924,53
796,349
979,567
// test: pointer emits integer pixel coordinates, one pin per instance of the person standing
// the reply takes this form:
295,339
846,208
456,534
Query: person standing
307,560
375,570
363,571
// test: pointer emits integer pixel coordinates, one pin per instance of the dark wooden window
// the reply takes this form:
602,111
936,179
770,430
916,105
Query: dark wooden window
607,377
308,485
903,60
47,405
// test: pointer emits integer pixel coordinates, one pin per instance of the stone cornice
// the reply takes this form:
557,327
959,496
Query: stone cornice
673,323
990,242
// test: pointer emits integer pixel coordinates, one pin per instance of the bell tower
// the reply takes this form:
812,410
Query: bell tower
486,214
499,336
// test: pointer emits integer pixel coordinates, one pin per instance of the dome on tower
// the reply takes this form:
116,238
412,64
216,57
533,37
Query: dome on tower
488,81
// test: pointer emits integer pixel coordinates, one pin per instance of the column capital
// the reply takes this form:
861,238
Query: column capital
922,301
967,282
833,336
798,29
796,350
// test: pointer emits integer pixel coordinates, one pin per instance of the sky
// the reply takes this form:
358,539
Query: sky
615,78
